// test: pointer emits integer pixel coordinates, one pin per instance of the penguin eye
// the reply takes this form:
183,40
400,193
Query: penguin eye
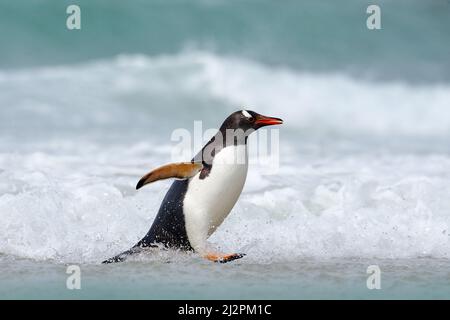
251,119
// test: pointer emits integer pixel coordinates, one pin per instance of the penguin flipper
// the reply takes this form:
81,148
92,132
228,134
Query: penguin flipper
180,170
223,258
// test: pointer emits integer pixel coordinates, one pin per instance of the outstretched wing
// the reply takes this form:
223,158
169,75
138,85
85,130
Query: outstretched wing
181,170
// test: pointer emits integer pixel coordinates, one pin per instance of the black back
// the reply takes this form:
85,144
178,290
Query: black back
168,228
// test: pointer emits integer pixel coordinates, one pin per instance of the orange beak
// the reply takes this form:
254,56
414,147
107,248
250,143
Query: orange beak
267,121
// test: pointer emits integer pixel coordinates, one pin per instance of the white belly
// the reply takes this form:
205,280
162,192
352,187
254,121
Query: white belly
208,201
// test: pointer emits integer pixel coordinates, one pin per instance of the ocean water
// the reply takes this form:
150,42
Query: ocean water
364,166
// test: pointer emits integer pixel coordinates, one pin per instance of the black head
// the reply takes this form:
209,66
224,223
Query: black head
234,131
248,120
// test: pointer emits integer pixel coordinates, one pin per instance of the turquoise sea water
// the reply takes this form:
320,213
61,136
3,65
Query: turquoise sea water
364,151
324,37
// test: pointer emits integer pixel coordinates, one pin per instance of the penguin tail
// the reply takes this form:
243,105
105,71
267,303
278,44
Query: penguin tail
123,256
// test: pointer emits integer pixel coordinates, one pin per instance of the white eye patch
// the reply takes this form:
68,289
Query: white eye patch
246,114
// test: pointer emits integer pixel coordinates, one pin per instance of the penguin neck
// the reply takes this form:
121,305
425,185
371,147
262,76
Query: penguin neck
221,140
226,137
231,137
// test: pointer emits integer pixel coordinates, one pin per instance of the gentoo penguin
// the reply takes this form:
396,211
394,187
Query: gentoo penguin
205,191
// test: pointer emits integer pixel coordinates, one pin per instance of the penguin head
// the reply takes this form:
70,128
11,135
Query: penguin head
248,120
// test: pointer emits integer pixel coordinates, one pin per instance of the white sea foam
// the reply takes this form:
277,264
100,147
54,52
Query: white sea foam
76,139
81,208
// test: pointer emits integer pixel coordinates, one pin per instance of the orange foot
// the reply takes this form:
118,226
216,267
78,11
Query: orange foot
224,258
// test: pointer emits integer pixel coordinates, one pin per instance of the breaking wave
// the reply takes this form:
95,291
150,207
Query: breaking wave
75,139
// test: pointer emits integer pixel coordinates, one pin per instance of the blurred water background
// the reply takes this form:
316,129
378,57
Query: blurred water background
364,155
